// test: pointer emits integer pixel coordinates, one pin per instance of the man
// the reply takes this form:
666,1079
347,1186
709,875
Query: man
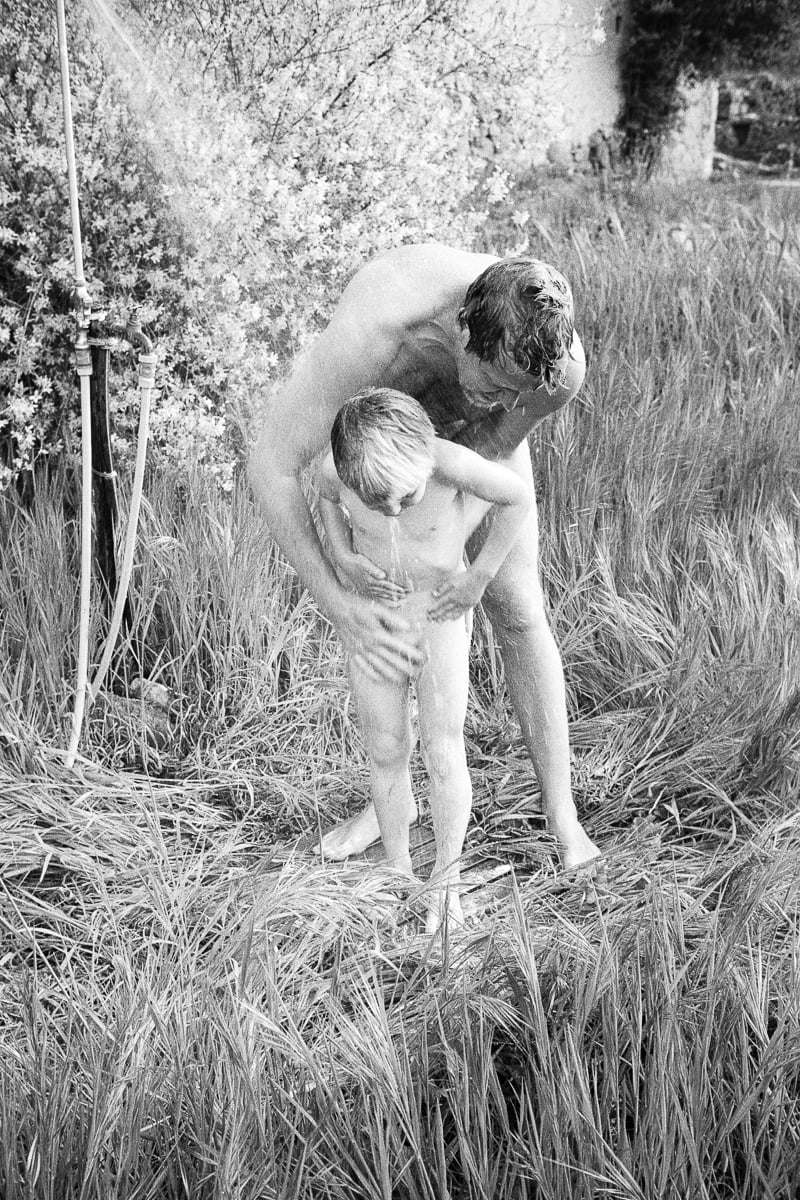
488,348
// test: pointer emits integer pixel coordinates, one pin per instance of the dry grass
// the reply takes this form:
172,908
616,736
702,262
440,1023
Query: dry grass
192,1006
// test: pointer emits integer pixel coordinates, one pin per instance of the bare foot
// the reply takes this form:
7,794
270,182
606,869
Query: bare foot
576,847
445,904
402,868
352,836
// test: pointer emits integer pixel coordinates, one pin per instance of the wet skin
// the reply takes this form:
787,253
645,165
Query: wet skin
396,326
416,539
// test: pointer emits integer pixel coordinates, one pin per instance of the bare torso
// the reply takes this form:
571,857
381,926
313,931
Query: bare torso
421,546
418,290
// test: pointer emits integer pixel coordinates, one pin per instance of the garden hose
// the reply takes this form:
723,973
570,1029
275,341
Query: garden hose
147,372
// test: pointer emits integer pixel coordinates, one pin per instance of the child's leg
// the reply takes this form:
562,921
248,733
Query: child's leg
386,728
442,694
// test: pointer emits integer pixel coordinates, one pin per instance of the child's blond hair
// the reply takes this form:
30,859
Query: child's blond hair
382,443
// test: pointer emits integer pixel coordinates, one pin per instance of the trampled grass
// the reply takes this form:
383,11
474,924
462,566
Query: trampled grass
193,1006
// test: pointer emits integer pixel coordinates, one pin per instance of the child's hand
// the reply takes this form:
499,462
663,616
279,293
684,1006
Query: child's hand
457,595
369,579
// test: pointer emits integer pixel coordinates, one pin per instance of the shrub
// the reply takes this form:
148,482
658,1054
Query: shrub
231,178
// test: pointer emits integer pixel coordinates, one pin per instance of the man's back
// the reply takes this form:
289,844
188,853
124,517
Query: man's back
408,300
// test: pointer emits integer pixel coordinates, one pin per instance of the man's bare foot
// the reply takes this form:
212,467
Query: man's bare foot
580,858
445,904
576,847
352,836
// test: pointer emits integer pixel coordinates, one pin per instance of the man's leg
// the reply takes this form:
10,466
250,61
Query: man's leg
383,709
442,688
534,674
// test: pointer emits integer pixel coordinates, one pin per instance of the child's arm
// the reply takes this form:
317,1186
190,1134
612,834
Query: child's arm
365,575
510,498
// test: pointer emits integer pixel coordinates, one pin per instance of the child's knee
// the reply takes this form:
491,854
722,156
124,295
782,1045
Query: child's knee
389,750
444,755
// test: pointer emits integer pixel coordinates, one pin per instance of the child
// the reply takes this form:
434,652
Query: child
397,504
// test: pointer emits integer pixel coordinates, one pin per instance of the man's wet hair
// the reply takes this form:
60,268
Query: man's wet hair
383,445
523,308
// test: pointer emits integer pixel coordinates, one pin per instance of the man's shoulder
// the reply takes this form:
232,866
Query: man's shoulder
431,256
404,284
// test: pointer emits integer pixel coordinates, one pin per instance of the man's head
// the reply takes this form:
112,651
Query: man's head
382,443
520,309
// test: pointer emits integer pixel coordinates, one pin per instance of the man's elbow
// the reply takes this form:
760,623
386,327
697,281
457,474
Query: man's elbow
267,476
523,494
275,482
257,474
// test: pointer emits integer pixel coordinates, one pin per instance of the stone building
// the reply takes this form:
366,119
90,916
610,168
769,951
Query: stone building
583,84
585,90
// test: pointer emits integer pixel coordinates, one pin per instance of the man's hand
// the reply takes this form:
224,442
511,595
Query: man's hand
457,595
369,579
383,641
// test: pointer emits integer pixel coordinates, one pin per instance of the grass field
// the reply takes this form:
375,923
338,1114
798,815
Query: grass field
191,1006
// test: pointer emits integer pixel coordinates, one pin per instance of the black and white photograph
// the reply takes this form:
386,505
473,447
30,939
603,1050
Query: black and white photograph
399,600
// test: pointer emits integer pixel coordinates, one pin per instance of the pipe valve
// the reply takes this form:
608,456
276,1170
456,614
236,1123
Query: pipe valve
147,369
83,353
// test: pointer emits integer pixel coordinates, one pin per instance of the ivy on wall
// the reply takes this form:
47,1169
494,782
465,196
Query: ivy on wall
670,40
759,117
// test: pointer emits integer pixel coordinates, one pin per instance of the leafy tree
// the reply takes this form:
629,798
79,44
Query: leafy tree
673,39
236,162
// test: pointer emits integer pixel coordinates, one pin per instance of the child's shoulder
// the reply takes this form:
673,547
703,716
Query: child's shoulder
452,461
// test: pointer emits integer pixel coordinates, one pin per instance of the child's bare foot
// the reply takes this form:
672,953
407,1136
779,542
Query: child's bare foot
352,836
576,847
445,904
401,866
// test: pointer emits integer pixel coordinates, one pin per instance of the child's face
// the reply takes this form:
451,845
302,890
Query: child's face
393,505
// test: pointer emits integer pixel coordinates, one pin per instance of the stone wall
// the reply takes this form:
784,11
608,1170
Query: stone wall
688,151
584,88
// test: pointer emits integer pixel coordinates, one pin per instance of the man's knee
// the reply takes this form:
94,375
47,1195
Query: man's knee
516,609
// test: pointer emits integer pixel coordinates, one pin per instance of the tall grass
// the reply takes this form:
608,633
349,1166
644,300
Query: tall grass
192,1006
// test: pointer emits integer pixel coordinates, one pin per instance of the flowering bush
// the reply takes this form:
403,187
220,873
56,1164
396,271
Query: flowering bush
231,177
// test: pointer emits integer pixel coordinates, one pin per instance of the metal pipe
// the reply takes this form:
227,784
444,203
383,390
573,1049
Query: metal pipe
104,477
147,359
72,175
84,367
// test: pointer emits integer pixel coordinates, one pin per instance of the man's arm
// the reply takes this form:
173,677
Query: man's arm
510,498
349,355
337,528
294,431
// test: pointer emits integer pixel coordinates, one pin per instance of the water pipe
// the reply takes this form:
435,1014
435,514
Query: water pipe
104,477
83,362
147,360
